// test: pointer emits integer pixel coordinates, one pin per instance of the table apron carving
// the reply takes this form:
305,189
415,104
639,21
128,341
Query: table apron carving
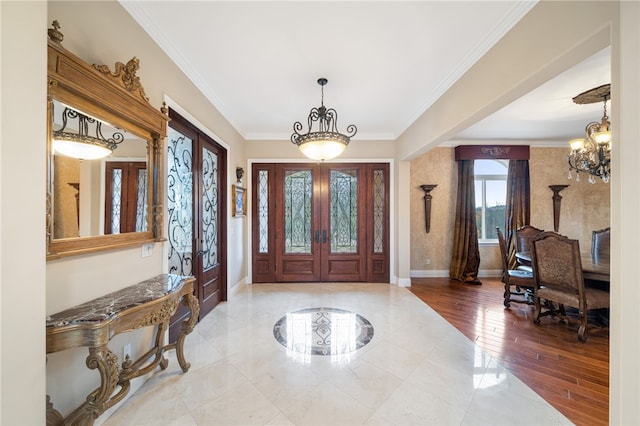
93,324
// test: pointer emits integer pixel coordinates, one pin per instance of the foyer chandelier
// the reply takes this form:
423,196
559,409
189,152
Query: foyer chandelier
325,143
80,143
592,154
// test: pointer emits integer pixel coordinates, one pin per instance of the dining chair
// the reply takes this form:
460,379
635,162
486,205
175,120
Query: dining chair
520,279
600,242
523,239
558,278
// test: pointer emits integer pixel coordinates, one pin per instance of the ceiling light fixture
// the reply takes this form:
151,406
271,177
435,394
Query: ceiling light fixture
592,154
79,144
327,142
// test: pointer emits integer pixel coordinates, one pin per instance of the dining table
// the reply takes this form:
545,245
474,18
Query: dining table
594,267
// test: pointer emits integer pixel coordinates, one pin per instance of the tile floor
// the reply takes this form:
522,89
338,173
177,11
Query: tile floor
417,369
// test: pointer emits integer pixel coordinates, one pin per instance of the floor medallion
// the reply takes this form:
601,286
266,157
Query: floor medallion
323,331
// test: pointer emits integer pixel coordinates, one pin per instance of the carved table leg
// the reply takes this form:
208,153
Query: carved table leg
97,401
54,418
187,327
160,345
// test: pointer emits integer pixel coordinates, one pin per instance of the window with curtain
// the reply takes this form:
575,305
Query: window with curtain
490,178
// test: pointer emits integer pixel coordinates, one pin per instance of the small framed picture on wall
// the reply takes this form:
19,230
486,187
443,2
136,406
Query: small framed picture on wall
239,197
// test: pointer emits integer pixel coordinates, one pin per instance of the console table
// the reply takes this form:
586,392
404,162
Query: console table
93,324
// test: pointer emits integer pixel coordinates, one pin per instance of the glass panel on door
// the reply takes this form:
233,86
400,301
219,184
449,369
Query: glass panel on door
344,211
378,211
263,211
141,201
180,202
116,200
297,211
209,209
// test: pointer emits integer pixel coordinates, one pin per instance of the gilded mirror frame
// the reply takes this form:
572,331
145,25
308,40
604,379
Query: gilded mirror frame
118,98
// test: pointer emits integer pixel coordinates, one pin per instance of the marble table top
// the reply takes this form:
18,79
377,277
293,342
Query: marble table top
105,307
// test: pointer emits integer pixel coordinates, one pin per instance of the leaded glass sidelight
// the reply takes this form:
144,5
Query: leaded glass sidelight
297,211
263,211
141,201
344,211
209,209
180,202
116,200
378,211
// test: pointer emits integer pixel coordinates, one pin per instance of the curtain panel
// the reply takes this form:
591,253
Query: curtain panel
518,209
465,258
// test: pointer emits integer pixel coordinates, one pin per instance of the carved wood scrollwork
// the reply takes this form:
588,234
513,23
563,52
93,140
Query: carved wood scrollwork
132,310
98,401
187,327
159,316
54,418
126,76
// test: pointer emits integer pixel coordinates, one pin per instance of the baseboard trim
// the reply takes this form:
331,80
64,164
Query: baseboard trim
232,291
433,273
404,282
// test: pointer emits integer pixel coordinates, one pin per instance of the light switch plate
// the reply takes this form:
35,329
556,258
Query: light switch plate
147,250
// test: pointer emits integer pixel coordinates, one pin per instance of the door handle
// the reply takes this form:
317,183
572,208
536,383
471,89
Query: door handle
324,236
201,252
317,236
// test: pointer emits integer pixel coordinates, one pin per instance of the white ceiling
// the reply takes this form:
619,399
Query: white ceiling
548,112
386,63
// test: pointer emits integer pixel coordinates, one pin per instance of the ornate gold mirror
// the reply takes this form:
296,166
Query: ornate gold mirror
104,156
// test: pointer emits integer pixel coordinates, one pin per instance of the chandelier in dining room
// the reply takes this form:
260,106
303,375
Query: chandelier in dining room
592,154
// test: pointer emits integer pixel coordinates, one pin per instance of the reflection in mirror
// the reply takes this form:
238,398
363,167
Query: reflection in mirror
115,201
98,196
83,139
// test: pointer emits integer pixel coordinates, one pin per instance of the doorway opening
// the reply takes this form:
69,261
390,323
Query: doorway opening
197,211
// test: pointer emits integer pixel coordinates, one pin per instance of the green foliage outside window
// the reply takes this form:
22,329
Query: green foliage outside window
494,216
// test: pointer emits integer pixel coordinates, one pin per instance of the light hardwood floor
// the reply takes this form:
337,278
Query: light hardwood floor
571,376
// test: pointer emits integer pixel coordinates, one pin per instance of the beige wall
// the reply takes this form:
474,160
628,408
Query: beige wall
435,167
65,211
73,280
585,207
22,226
625,224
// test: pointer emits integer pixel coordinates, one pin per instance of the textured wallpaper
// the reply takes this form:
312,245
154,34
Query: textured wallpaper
585,206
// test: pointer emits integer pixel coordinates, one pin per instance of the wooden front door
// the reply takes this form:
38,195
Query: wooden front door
196,214
125,197
320,222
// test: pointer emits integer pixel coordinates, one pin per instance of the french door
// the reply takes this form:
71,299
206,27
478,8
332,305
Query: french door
196,172
320,222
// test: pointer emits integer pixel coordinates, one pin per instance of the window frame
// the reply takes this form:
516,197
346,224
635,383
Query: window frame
483,178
